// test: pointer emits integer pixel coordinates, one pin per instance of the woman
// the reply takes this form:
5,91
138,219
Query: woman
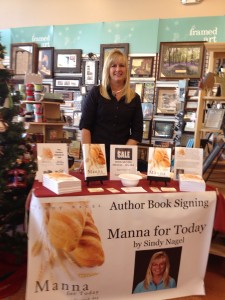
112,113
157,276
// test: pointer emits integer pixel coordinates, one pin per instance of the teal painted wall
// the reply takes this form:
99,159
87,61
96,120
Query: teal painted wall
143,36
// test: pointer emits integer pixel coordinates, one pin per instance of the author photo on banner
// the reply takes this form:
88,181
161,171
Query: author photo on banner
156,269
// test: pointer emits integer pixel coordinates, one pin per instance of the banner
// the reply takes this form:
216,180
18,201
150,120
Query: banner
101,247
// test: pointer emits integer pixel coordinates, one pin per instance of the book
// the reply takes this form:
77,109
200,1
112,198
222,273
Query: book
61,183
191,183
159,162
94,158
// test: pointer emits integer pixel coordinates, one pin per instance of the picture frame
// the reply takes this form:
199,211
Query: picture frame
106,48
67,95
23,59
46,87
46,62
181,60
143,152
147,110
90,72
148,92
146,129
68,83
141,66
192,92
166,100
214,118
163,129
67,60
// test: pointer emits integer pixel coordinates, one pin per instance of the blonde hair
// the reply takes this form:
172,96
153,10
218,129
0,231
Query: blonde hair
115,56
166,277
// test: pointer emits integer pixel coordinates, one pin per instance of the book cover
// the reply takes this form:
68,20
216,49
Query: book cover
95,167
159,162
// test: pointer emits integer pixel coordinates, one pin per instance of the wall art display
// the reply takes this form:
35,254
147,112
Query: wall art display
181,60
67,82
167,100
163,129
106,48
67,61
90,72
147,109
46,87
214,118
138,87
141,66
148,92
66,95
146,129
45,61
23,59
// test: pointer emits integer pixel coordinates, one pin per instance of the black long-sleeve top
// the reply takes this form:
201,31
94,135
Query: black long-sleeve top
111,121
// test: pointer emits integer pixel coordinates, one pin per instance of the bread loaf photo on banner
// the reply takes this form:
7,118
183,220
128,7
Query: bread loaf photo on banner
72,231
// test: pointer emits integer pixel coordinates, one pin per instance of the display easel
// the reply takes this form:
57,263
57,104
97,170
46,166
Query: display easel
97,178
161,179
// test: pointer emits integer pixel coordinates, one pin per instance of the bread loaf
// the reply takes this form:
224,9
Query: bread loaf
65,227
89,251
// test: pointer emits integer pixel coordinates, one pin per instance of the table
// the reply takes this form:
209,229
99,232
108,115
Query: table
90,246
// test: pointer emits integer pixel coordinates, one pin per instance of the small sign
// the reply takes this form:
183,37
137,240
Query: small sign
123,160
51,157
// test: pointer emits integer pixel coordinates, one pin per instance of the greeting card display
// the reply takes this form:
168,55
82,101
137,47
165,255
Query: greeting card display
94,162
159,163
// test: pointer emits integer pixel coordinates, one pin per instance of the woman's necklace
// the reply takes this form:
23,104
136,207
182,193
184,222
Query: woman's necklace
116,92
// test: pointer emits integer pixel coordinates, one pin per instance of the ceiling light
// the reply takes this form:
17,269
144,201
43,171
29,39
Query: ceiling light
185,2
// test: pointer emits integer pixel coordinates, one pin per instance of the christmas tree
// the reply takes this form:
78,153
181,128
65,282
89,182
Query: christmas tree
17,168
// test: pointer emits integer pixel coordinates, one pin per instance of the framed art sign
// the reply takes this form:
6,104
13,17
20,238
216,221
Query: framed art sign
181,60
214,118
167,99
45,61
106,48
163,129
67,82
67,61
141,66
90,72
23,59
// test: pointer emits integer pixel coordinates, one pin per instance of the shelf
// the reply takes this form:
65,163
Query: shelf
207,98
47,123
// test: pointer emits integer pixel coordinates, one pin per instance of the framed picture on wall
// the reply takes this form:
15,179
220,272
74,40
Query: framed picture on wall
163,129
146,129
167,99
45,61
181,60
67,61
141,66
106,48
148,92
69,83
23,59
90,72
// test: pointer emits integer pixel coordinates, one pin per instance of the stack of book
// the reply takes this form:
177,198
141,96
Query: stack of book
191,183
61,183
